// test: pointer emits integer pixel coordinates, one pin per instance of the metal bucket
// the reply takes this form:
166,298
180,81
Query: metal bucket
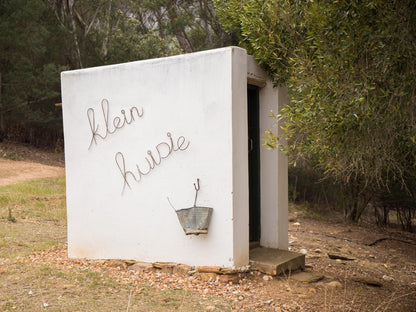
195,220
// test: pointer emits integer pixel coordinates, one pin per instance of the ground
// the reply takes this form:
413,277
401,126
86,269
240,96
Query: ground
364,268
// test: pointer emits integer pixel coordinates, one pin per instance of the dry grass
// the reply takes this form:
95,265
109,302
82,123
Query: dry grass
26,285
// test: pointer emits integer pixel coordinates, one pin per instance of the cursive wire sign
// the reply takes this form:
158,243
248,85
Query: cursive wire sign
112,124
153,159
117,122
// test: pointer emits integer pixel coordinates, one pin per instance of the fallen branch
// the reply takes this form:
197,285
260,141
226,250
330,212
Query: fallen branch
390,238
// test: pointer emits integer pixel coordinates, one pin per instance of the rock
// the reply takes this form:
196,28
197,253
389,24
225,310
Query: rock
207,277
129,262
304,251
312,290
116,264
208,269
334,256
229,278
229,271
267,278
240,298
183,269
142,267
307,277
317,250
296,223
334,284
388,278
165,267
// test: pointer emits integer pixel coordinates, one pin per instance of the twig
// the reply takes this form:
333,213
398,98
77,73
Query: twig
128,303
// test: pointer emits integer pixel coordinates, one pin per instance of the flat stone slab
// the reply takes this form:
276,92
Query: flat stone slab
275,261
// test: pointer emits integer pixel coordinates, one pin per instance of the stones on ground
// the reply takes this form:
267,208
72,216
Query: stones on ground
183,269
307,277
142,267
165,267
334,284
207,277
229,278
388,278
340,257
267,278
304,251
116,264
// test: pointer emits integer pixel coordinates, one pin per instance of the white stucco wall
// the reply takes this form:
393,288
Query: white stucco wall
190,113
189,96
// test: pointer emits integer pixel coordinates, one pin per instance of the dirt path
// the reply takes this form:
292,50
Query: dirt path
13,172
21,162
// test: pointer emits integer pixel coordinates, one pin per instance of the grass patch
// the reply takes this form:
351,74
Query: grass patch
37,200
39,211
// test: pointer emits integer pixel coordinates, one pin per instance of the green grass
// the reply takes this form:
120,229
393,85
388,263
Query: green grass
37,200
39,210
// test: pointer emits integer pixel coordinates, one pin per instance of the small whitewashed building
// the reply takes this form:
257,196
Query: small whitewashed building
142,139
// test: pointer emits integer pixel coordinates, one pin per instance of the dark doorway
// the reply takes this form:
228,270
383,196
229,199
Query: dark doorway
254,162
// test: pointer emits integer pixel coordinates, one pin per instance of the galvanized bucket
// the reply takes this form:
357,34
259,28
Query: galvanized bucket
195,220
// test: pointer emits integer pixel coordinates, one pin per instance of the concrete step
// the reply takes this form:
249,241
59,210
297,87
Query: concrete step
275,261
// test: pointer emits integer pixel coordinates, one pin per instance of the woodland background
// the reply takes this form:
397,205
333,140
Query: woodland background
350,68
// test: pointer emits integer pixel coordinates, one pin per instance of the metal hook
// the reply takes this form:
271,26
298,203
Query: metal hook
197,188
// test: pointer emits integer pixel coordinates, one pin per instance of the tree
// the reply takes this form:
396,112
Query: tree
40,38
29,65
350,68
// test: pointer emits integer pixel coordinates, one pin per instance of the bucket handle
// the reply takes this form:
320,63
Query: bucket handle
171,204
197,188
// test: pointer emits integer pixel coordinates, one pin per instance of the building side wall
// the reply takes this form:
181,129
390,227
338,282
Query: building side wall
139,133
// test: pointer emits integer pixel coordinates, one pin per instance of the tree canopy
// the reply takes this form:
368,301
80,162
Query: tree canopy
350,67
40,38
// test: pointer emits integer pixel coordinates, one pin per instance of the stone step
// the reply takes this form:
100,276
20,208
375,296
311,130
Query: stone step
275,261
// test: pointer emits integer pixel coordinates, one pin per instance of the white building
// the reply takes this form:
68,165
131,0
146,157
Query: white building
141,132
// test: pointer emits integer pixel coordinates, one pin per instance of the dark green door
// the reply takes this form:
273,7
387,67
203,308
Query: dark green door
254,162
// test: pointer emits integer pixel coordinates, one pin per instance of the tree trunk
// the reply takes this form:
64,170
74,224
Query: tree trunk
74,33
1,117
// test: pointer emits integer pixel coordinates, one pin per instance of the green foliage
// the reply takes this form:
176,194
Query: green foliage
41,38
29,69
350,70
